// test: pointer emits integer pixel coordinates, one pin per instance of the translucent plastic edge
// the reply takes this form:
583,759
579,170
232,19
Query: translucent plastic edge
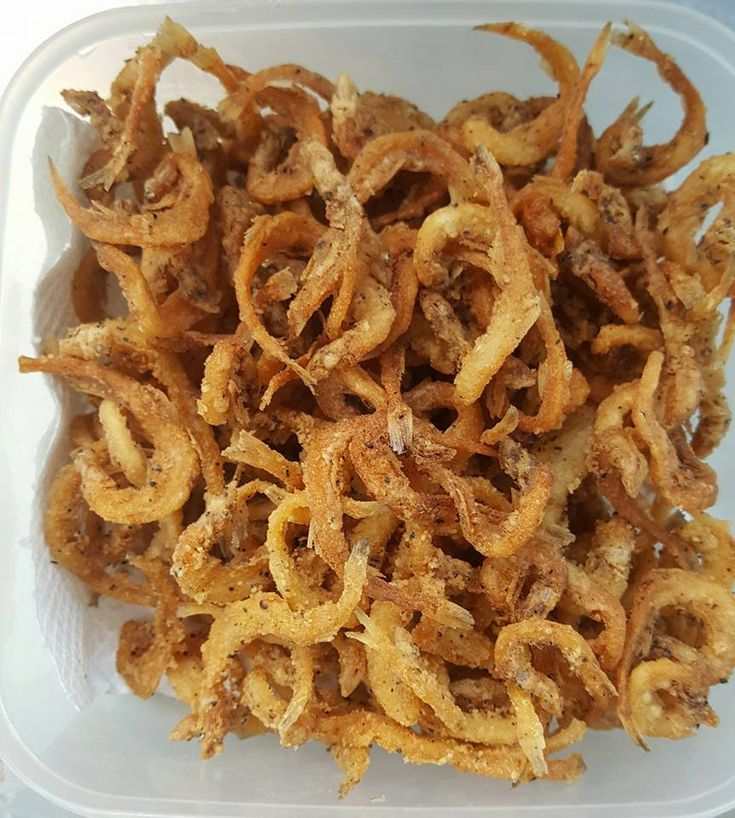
26,765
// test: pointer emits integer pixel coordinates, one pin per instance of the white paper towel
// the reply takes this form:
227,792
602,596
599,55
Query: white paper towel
81,633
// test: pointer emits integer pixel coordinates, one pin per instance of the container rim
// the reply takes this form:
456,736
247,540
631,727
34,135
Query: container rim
29,768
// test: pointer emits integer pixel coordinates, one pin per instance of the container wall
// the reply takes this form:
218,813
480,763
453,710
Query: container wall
115,756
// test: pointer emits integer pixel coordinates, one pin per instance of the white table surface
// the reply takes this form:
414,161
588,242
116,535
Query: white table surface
24,26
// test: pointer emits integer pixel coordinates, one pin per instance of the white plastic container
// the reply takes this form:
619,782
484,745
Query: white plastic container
113,759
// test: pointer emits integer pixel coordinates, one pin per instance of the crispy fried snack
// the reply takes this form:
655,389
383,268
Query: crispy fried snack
401,438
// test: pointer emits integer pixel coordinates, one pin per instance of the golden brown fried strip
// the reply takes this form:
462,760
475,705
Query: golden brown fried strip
711,605
75,541
518,306
531,142
620,154
359,117
170,471
513,661
566,156
417,151
183,221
